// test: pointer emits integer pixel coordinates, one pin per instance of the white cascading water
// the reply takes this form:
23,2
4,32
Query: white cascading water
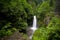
34,27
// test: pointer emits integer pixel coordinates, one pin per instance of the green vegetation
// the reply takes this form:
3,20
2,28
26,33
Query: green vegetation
51,32
18,15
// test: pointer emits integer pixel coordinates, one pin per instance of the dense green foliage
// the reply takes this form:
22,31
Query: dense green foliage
18,15
51,32
13,15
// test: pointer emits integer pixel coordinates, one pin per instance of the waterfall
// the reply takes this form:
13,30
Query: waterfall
34,27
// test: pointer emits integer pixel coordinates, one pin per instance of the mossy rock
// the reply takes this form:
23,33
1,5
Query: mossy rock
15,36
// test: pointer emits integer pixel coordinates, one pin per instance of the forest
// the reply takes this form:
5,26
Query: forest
16,16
